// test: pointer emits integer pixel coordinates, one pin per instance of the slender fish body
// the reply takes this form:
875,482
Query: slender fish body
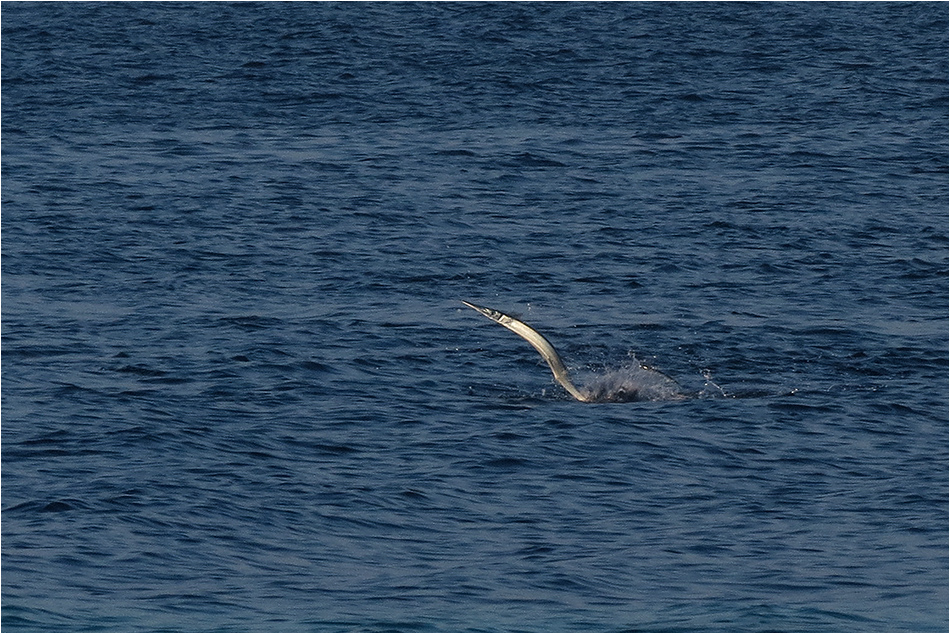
540,344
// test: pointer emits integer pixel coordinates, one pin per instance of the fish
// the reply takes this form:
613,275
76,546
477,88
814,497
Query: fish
646,384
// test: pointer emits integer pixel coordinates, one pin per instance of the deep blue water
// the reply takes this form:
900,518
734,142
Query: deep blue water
240,391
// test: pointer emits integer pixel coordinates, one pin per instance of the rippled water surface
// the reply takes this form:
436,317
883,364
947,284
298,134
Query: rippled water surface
240,391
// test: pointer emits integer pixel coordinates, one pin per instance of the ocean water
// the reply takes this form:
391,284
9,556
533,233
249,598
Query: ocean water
240,392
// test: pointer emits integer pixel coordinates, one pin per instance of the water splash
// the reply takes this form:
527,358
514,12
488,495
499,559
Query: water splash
635,381
711,389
